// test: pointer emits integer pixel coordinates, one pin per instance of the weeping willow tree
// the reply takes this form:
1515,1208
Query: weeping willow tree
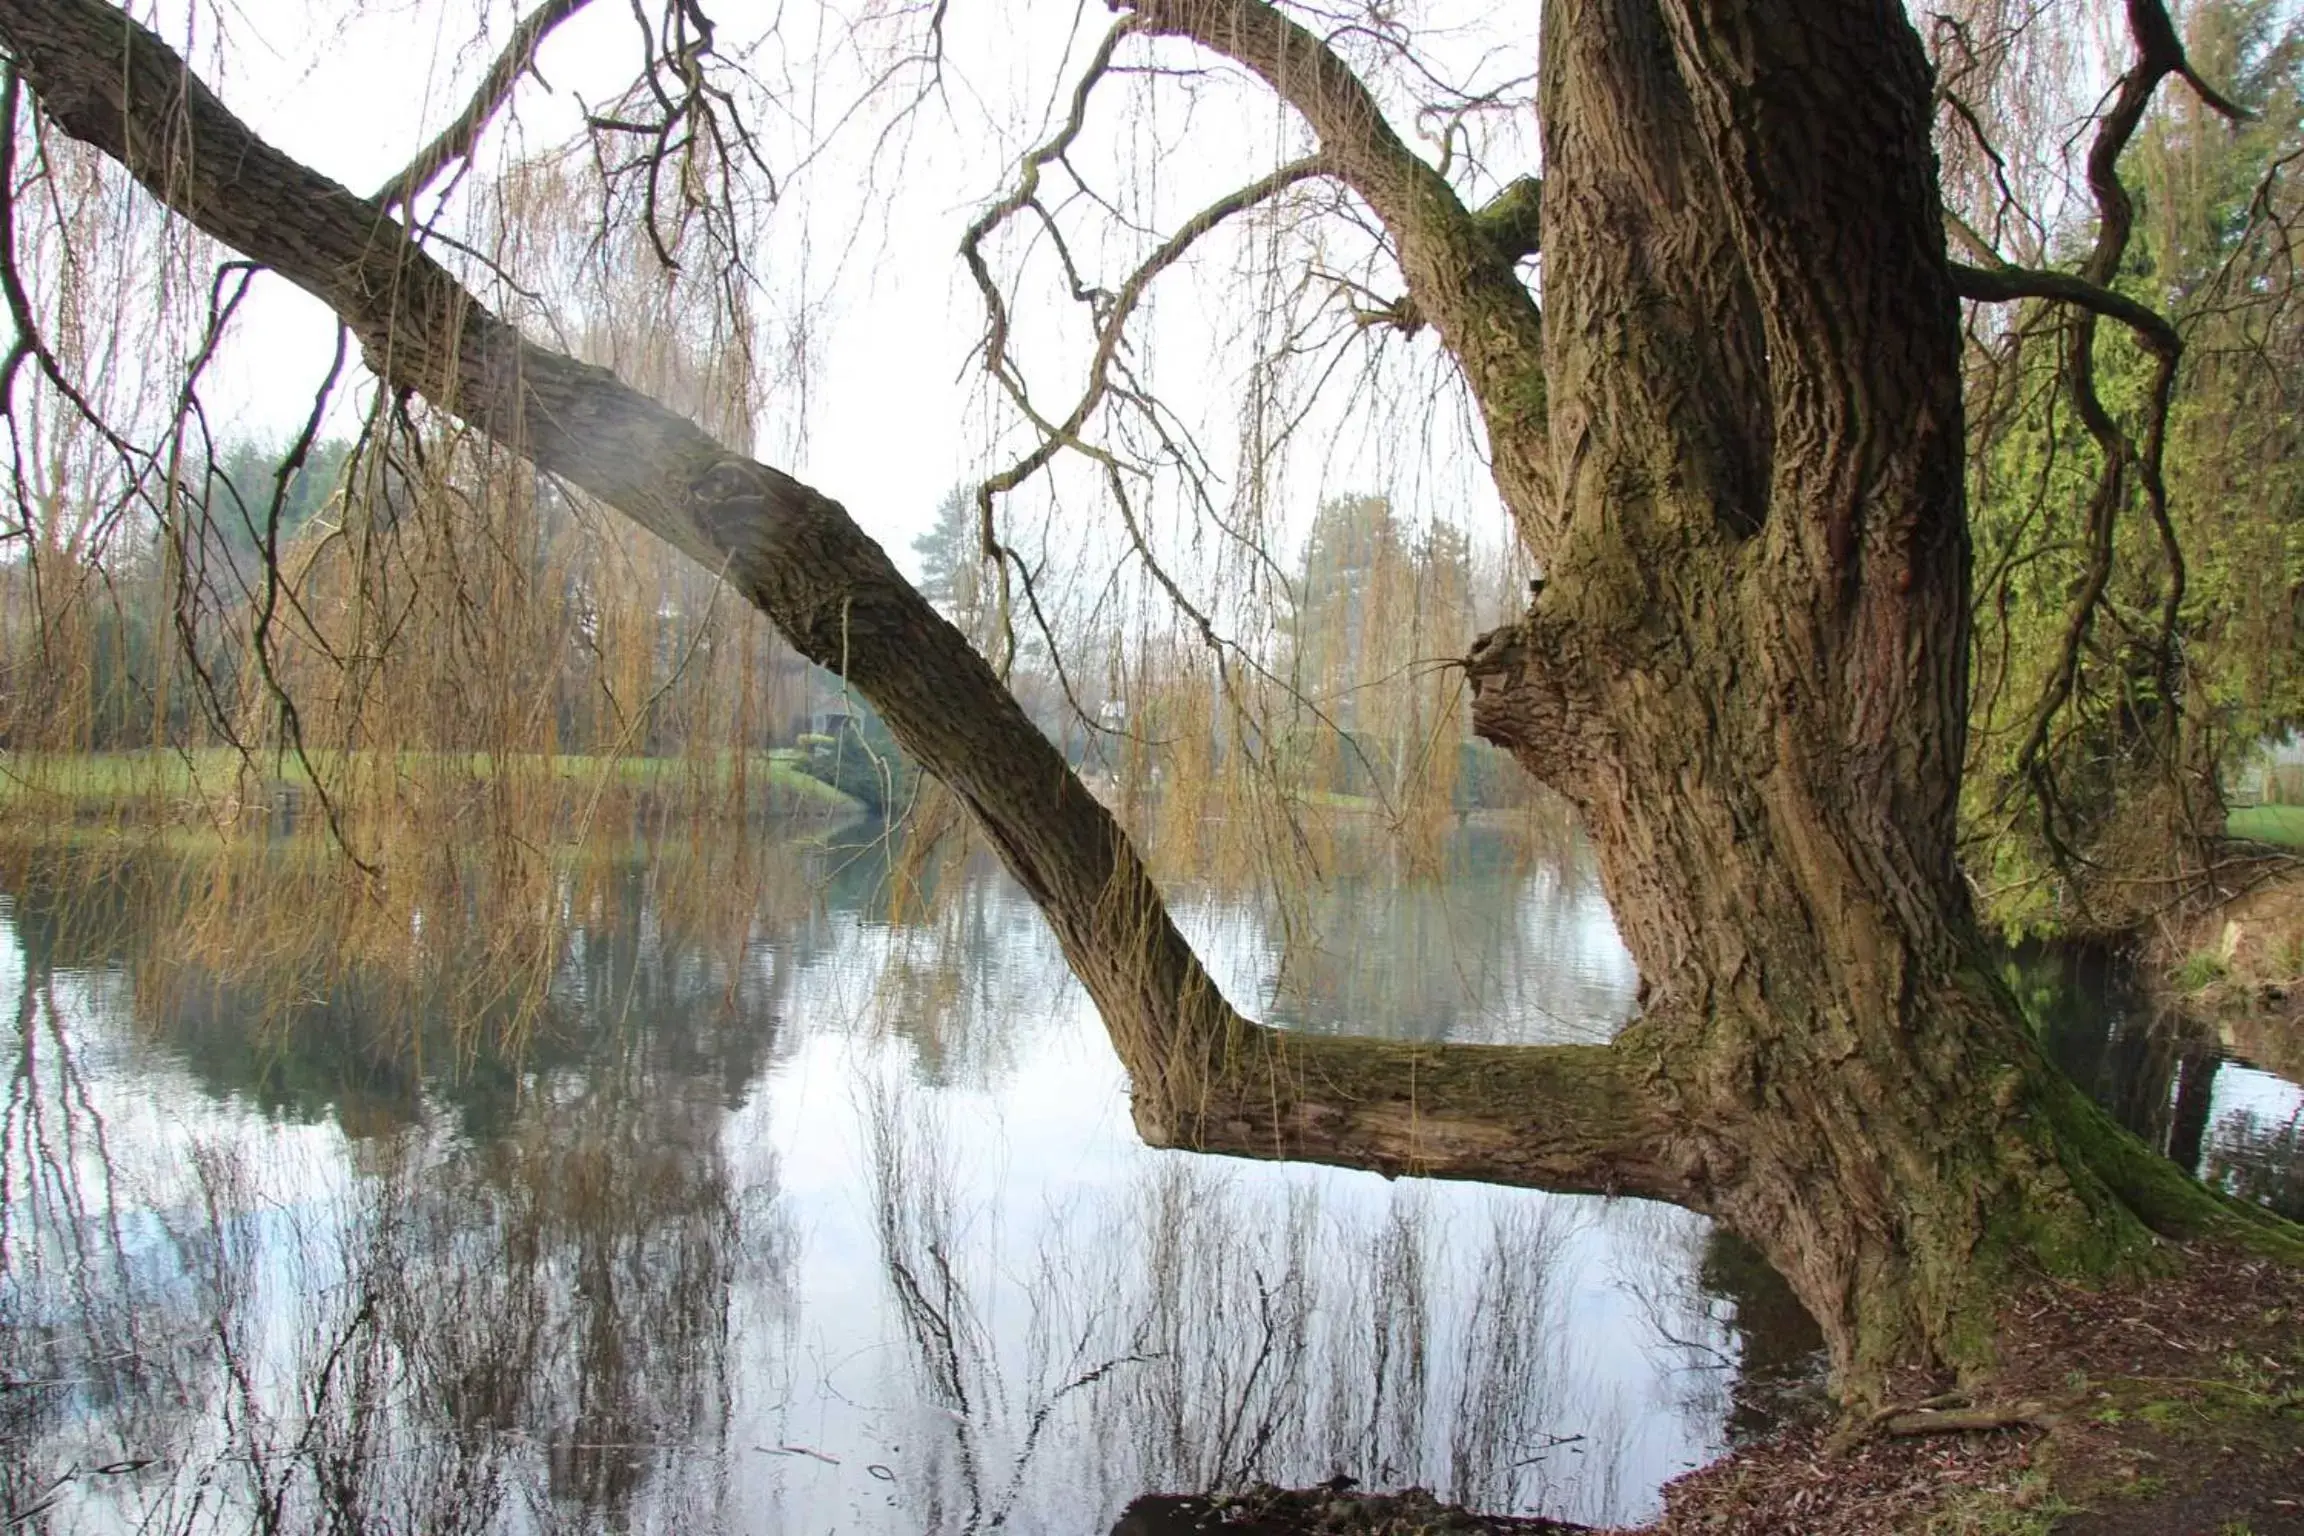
382,629
1374,604
1724,416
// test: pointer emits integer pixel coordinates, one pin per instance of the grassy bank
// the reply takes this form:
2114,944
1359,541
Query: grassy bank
2235,972
2282,825
213,781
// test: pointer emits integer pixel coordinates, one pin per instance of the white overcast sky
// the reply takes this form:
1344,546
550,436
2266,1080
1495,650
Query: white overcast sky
883,406
354,93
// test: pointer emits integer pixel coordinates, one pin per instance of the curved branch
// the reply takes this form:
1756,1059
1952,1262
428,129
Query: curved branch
2160,48
1462,284
459,138
2000,285
996,359
1113,312
2159,54
1167,254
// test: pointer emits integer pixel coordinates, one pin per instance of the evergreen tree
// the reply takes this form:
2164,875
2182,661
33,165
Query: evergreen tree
950,558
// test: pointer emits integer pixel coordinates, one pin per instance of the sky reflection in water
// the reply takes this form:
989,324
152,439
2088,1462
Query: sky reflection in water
832,1224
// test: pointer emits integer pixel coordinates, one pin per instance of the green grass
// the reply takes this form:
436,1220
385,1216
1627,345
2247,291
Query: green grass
2282,824
2199,971
67,784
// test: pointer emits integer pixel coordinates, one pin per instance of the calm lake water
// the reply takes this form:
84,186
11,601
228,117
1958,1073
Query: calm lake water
791,1216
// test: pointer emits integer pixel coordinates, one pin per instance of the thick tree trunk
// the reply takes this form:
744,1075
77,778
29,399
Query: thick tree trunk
1747,668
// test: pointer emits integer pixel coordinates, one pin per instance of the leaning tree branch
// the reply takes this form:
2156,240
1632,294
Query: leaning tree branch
462,136
1567,1117
1460,278
1573,1118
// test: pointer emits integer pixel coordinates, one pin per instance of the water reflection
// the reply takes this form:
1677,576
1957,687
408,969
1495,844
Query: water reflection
1492,947
1202,1328
774,1213
234,1322
2206,1101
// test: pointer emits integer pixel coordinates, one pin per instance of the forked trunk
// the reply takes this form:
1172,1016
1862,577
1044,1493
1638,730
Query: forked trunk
1748,665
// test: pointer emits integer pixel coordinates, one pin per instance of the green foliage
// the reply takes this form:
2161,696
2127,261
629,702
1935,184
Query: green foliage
2121,793
85,786
862,760
241,515
951,570
2282,824
2198,972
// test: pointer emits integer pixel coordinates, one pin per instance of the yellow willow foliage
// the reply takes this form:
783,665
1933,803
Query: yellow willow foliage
278,939
413,715
1359,715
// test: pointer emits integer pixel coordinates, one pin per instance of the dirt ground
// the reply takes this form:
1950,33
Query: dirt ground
2172,1408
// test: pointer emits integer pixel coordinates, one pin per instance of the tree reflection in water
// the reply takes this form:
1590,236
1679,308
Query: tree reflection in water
216,1320
1206,1328
779,1212
440,1337
2224,1104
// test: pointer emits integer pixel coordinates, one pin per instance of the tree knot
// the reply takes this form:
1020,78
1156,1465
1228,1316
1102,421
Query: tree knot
1526,697
1495,654
732,479
733,503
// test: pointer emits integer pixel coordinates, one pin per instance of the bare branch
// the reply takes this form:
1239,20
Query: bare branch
2159,48
459,138
1461,282
2000,285
1109,333
1112,311
996,359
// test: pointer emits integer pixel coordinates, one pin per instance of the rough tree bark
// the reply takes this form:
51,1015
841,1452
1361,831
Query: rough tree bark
1737,450
1735,440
